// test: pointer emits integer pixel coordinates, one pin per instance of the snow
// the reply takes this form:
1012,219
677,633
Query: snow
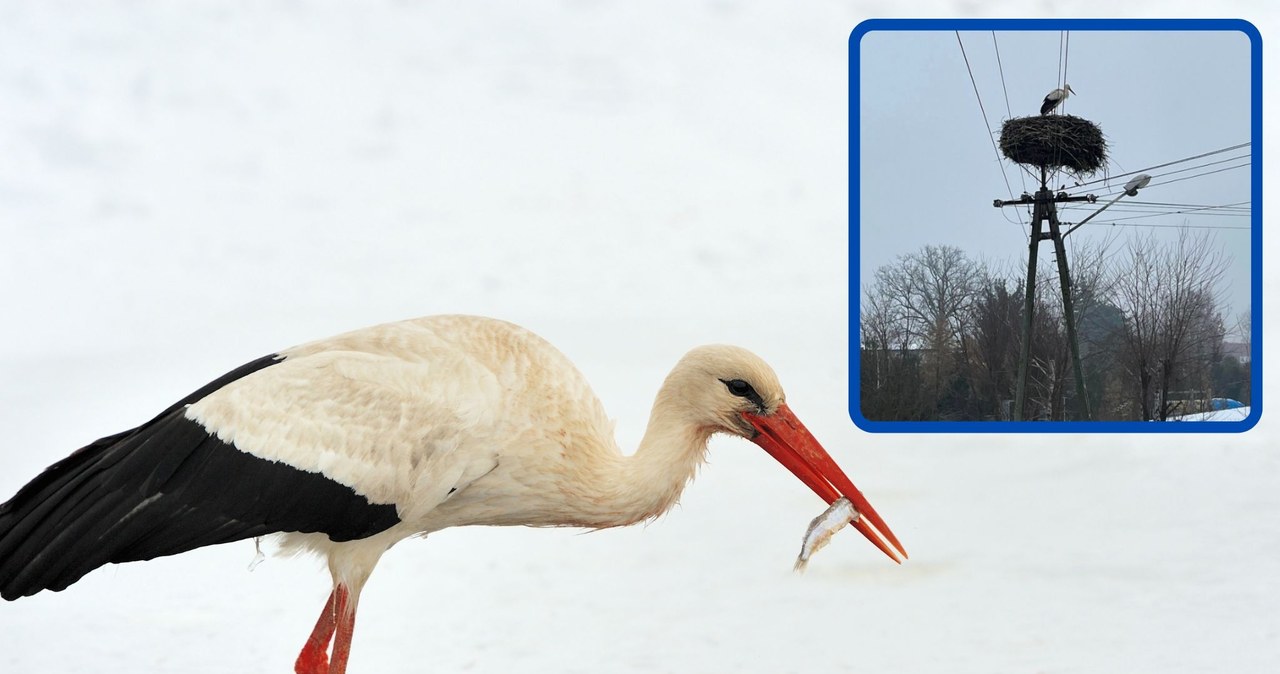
1230,414
187,187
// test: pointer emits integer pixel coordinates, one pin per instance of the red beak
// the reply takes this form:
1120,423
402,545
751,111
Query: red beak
787,440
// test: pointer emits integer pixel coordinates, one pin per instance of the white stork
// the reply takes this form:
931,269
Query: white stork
350,444
1055,98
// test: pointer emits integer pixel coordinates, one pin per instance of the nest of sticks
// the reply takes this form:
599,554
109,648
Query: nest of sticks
1055,142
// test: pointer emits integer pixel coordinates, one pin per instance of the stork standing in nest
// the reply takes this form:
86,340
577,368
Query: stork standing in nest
1055,99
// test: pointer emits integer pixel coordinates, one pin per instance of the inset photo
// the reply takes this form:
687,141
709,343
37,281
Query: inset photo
1055,225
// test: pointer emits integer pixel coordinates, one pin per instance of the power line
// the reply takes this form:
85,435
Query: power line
1066,58
1248,159
1211,211
1066,54
1156,206
1151,224
1178,180
990,135
1242,207
1198,175
1000,65
1059,80
1162,183
1007,107
1139,217
1225,210
1212,163
1168,163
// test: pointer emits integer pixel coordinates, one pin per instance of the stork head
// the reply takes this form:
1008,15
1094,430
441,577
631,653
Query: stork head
1069,89
728,389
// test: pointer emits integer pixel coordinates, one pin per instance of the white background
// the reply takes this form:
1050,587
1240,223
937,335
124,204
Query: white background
184,187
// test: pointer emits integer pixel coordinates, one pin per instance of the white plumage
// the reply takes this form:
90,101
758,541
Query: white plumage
350,444
1055,99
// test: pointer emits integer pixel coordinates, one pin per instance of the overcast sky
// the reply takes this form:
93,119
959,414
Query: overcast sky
929,172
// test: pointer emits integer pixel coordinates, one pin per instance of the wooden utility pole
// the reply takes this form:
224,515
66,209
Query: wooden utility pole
1045,208
1028,307
1069,314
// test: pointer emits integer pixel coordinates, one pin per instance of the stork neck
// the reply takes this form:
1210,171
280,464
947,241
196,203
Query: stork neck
653,478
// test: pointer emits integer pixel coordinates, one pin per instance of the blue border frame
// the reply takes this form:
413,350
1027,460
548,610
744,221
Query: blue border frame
855,262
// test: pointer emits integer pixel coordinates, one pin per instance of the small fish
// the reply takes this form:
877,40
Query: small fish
823,527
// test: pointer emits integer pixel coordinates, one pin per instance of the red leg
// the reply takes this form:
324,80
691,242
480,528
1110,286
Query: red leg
346,612
314,658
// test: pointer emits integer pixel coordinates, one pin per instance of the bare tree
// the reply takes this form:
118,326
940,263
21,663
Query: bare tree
918,305
1137,288
1244,330
940,334
1049,367
993,343
1172,331
930,292
1190,325
1092,282
1232,375
889,382
1091,285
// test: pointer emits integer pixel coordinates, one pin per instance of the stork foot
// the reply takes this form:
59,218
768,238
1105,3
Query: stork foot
310,663
314,658
338,617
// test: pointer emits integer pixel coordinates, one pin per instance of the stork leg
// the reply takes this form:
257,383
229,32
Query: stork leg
336,623
345,608
350,566
314,658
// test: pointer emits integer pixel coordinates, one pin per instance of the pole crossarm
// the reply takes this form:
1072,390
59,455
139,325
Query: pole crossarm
1059,198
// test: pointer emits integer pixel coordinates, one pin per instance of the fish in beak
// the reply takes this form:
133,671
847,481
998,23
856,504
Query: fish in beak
786,439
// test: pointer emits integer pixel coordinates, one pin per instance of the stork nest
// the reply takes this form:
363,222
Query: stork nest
1055,142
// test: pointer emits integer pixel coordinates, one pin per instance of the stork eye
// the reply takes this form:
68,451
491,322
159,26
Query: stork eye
742,389
739,388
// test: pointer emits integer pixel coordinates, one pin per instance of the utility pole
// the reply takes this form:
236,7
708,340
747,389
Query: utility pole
1068,313
1059,142
1044,208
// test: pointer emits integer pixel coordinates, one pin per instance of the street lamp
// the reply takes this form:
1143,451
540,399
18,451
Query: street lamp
1130,189
1136,183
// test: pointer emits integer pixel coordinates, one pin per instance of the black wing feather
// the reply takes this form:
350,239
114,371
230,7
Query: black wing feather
162,488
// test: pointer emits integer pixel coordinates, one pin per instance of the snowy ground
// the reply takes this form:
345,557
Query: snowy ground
185,189
1232,414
